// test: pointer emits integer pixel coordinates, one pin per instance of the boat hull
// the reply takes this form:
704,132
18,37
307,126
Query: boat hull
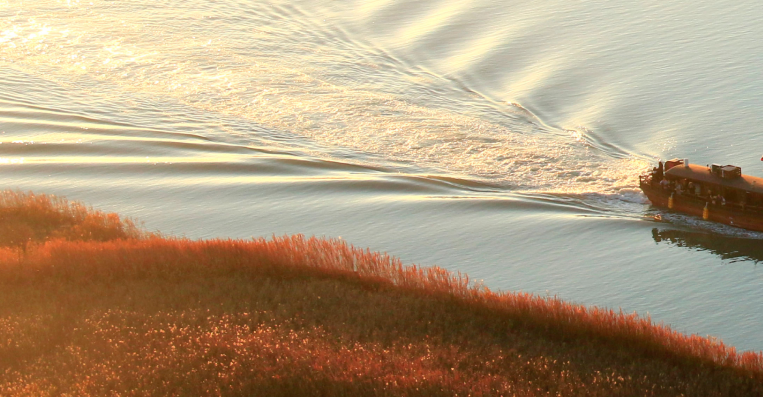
693,205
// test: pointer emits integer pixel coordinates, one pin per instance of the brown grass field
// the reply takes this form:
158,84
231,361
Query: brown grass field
91,305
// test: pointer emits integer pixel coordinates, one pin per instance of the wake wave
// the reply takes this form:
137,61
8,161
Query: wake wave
284,78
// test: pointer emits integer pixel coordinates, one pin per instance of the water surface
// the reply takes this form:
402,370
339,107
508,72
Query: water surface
501,139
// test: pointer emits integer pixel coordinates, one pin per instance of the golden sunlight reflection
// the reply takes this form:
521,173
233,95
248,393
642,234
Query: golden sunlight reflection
369,8
431,22
63,159
290,96
533,76
477,48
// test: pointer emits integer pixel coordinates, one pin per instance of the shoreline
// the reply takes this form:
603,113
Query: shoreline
92,294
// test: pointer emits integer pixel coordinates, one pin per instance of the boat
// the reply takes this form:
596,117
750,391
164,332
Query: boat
718,193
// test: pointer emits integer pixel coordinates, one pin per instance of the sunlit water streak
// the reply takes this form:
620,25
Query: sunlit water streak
235,76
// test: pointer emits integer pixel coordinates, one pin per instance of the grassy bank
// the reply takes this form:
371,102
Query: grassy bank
92,305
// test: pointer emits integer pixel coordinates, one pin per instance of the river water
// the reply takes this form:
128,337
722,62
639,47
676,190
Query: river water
502,139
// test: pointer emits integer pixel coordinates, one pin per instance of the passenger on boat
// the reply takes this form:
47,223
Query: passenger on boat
718,200
665,184
660,170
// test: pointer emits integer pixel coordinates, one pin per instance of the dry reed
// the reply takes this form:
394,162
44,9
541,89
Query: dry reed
96,307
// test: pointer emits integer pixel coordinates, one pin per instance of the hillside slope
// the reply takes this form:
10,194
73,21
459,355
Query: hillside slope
92,305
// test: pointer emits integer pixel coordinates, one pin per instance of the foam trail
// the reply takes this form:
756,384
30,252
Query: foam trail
282,82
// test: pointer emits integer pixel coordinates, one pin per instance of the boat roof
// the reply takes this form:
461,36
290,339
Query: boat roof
703,174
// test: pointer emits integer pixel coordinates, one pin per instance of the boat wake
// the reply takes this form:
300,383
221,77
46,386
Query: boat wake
694,223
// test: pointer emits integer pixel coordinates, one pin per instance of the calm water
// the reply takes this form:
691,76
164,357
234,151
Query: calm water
498,138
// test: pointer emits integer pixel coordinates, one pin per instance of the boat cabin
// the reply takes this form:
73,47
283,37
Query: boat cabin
717,184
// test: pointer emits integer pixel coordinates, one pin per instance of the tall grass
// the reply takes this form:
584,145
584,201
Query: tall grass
27,218
94,304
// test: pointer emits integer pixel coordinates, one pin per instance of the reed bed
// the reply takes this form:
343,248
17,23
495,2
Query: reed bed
91,305
28,218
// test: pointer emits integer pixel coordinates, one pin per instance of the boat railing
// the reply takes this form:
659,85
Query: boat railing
647,179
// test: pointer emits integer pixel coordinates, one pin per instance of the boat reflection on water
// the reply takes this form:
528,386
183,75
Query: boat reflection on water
725,247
